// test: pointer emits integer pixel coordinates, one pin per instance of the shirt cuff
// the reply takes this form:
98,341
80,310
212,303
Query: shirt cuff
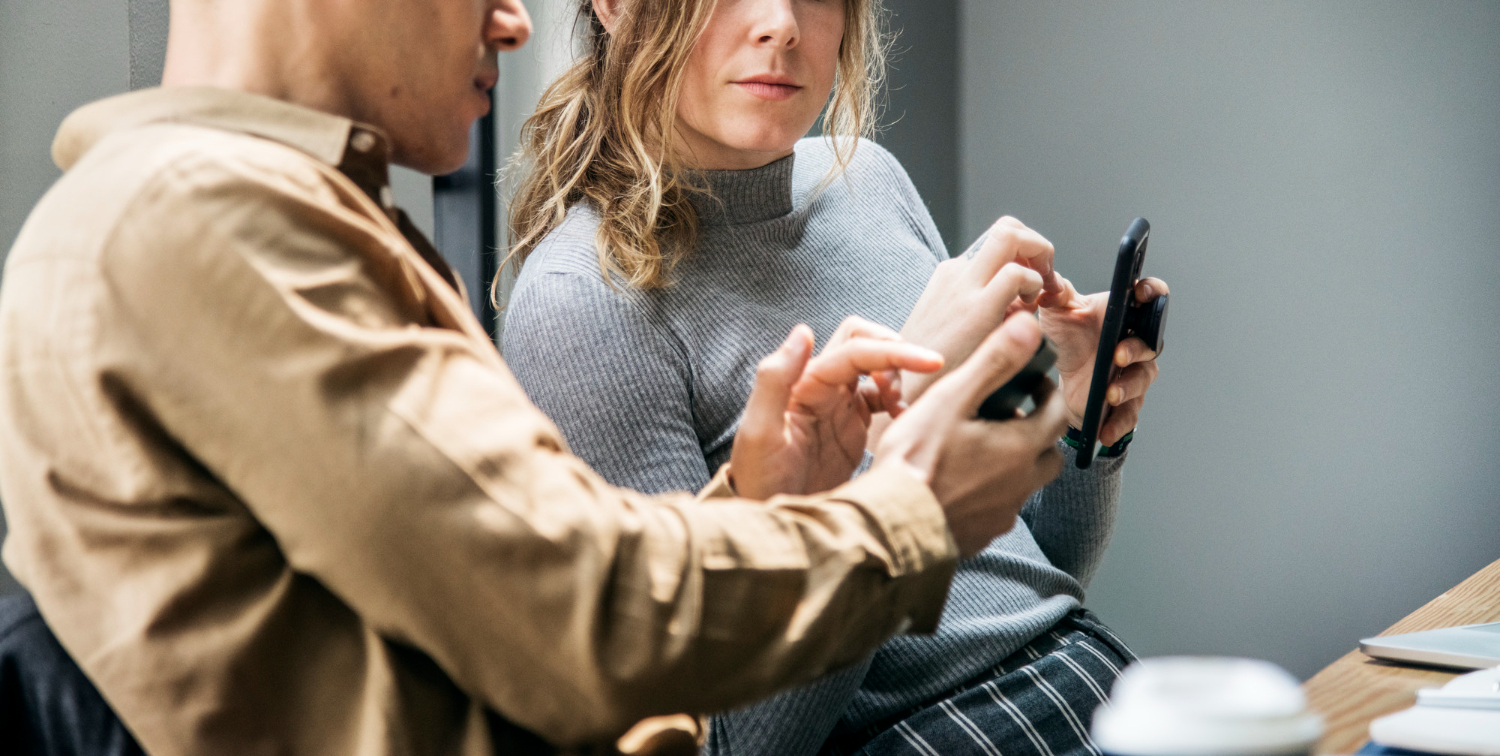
911,521
719,487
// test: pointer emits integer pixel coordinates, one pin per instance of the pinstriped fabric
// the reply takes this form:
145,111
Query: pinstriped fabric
1037,702
916,741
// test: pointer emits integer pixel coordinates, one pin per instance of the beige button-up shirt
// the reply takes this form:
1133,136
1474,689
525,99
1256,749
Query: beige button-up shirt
275,490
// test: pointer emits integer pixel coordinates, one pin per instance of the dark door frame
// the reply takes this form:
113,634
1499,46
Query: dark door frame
465,207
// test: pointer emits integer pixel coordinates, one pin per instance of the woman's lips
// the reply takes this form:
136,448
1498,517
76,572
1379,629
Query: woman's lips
766,90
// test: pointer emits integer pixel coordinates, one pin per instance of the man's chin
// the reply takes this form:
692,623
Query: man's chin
435,160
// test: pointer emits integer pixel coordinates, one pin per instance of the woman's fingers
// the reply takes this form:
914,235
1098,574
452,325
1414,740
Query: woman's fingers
1132,351
1065,298
1013,282
1139,370
1121,420
1131,383
1009,240
1148,289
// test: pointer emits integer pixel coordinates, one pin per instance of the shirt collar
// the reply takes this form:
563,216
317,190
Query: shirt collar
322,135
359,151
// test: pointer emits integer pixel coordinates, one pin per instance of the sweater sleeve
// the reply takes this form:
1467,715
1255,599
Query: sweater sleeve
1073,517
613,381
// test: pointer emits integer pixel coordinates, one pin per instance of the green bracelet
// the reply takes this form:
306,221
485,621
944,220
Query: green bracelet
1074,438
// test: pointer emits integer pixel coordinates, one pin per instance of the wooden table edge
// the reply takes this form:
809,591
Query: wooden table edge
1356,689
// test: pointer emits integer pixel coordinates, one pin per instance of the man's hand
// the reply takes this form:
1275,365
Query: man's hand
1074,322
982,472
805,424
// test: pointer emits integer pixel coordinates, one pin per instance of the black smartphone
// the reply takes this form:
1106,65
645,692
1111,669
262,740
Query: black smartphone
1004,401
1123,318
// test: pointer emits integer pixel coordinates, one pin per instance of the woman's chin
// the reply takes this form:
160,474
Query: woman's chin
776,144
743,148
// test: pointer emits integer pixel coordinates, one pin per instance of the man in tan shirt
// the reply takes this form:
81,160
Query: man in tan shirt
276,492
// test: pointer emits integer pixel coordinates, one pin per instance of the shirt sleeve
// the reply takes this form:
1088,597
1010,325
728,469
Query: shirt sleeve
1073,517
279,339
617,386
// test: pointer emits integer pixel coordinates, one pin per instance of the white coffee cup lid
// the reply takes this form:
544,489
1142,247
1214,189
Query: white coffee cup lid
1205,706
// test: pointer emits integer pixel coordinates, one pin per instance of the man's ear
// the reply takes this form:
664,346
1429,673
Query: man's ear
608,12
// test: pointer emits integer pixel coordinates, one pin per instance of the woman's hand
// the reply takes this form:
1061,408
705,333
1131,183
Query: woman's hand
805,424
1074,322
968,297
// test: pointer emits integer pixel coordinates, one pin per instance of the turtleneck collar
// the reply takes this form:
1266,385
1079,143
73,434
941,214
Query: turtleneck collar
740,197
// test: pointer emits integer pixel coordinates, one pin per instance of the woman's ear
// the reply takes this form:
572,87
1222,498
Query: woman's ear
608,12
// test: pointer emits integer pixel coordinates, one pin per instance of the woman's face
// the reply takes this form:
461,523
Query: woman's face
757,80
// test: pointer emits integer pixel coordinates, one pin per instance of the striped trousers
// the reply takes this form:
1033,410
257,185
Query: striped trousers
1039,701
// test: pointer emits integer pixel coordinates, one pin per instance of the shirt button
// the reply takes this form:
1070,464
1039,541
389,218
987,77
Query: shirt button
362,141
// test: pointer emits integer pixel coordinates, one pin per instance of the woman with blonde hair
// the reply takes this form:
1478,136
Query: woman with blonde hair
674,222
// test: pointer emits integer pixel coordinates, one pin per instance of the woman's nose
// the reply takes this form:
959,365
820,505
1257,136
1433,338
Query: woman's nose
776,23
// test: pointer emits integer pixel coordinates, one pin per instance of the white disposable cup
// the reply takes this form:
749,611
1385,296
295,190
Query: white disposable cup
1206,706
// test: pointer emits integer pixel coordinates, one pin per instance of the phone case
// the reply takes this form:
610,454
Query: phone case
1128,263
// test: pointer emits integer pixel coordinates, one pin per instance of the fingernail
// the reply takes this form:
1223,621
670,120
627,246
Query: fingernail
1145,291
796,345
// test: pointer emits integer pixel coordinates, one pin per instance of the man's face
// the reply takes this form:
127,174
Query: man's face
421,70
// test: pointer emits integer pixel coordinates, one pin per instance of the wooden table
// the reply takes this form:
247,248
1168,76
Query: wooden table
1356,689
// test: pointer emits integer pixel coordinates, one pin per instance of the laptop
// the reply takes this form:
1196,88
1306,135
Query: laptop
1467,647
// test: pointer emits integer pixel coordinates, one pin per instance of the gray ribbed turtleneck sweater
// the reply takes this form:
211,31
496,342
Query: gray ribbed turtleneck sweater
648,388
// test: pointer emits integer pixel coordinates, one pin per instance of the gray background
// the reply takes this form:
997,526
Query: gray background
1317,459
1324,180
920,123
54,56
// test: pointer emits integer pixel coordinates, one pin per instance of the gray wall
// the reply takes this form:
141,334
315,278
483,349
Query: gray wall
921,114
1323,179
54,56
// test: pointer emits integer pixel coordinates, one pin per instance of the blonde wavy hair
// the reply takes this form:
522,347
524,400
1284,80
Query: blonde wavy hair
603,134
